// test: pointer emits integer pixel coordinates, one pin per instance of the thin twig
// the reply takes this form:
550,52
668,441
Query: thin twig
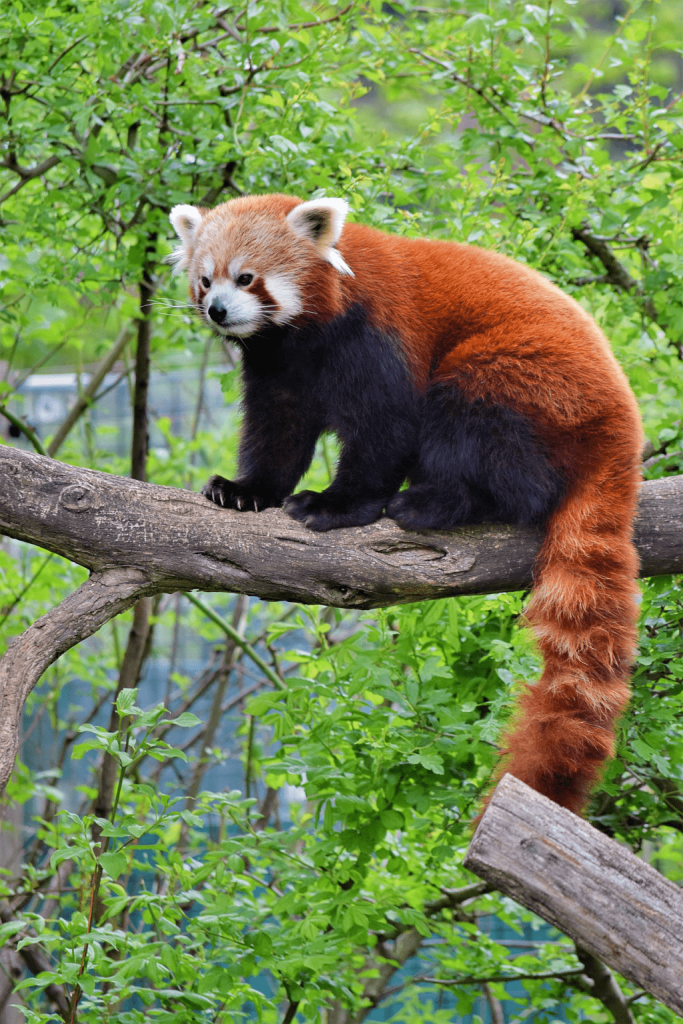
300,24
22,593
238,639
23,428
215,715
493,978
88,394
290,1012
494,1004
468,85
617,274
18,384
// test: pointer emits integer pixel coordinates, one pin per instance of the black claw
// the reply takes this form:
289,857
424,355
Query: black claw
238,495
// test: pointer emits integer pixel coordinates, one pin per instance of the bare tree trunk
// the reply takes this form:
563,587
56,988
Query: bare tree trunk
140,443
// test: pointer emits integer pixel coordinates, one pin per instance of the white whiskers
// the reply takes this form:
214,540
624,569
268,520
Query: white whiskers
169,304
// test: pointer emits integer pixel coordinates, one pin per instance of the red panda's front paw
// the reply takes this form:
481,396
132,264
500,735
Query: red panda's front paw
329,511
237,494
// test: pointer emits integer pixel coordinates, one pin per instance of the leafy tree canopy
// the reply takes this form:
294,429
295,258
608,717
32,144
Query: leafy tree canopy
364,742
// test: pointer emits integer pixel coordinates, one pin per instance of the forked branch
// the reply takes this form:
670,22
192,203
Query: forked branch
138,538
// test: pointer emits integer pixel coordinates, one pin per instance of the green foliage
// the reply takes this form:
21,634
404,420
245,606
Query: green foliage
301,894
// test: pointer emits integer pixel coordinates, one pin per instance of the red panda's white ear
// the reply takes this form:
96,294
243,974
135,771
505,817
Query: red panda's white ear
321,222
185,220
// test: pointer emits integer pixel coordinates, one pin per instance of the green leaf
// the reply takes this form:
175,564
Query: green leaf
125,702
392,819
114,863
186,720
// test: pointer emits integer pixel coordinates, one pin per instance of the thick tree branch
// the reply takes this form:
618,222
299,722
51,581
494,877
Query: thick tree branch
618,909
139,539
104,595
181,541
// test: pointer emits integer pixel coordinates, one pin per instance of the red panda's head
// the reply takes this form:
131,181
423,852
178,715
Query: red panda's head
248,261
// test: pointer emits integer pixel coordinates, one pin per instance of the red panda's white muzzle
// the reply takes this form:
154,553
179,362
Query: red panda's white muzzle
234,311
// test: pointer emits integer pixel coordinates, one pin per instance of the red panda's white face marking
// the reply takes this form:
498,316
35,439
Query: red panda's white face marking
234,304
247,260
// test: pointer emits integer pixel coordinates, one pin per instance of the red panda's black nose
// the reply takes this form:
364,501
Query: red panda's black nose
217,311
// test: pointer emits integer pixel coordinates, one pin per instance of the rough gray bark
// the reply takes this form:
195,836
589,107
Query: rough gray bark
181,541
140,539
614,906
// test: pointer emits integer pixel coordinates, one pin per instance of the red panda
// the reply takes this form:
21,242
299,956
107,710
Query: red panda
471,376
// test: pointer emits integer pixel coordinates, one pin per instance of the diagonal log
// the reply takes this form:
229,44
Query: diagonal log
139,539
616,907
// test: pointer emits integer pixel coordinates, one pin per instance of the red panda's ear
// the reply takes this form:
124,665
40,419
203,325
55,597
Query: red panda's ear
321,222
185,220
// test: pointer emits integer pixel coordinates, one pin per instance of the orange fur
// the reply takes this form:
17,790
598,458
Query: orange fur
501,333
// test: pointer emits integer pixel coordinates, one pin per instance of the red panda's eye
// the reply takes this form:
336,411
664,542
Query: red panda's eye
245,279
206,283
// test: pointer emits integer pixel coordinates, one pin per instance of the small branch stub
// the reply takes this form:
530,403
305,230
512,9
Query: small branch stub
593,889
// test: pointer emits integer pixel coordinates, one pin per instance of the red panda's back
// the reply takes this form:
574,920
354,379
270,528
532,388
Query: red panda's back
492,322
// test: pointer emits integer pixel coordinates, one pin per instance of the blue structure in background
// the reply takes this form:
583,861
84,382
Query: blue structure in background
46,399
173,395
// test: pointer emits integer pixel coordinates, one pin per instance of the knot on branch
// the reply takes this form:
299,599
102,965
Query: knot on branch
77,498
